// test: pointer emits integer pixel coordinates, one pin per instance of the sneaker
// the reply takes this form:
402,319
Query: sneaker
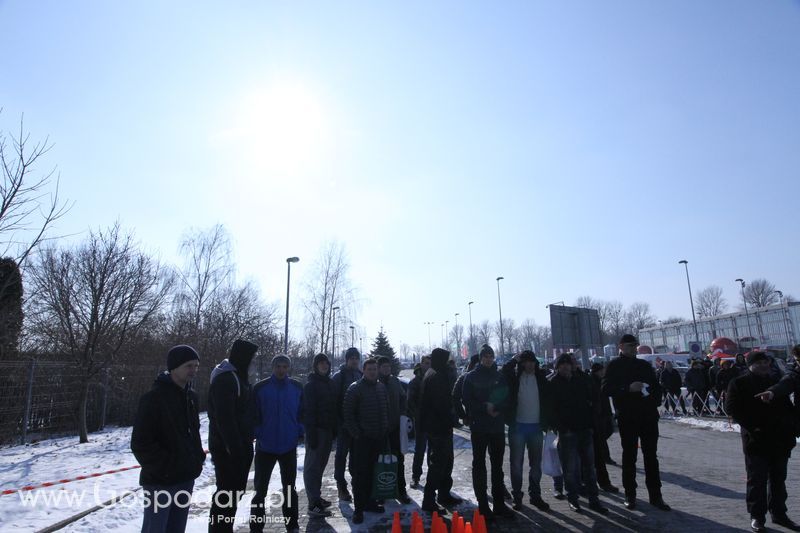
358,517
539,503
403,498
344,495
319,511
630,502
757,525
575,506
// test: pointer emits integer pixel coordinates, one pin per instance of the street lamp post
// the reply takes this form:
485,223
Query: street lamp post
289,261
500,309
471,337
446,335
361,345
333,332
352,335
458,339
442,334
746,313
430,346
685,263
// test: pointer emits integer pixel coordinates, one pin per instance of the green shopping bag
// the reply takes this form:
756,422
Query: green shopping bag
384,478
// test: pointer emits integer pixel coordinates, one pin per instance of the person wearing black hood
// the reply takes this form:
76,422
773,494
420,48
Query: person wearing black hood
420,438
319,410
348,374
486,398
636,394
527,418
230,432
436,414
767,433
166,442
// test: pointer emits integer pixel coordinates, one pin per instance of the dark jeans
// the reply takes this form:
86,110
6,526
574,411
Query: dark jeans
670,403
231,479
265,463
495,443
364,454
420,448
766,485
601,454
440,467
576,453
645,432
168,509
394,447
522,438
314,465
343,444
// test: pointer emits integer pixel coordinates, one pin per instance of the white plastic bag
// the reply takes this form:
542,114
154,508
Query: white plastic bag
405,428
551,465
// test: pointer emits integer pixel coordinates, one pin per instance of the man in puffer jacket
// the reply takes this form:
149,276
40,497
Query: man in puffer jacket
230,432
486,398
166,442
319,409
278,411
366,418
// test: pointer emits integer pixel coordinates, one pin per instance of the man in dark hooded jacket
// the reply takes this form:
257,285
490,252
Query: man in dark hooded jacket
166,442
319,411
436,415
486,398
767,434
348,374
230,432
414,399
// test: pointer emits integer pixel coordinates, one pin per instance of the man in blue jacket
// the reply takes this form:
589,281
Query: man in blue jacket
278,412
485,397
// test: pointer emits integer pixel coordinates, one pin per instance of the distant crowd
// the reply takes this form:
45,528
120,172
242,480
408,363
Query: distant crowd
560,419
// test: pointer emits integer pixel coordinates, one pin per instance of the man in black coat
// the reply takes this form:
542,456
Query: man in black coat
696,382
602,430
414,399
528,417
436,417
348,374
670,381
166,442
767,434
636,394
230,432
319,419
486,398
366,418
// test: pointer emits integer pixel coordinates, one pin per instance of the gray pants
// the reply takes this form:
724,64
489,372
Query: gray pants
314,465
521,438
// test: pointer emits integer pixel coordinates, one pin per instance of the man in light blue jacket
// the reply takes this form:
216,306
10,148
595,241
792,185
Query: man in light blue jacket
278,412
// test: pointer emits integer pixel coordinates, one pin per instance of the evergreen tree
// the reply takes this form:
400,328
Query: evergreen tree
381,347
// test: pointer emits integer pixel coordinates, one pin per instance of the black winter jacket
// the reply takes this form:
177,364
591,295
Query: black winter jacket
341,382
603,417
790,383
366,410
766,428
230,428
166,434
436,406
512,372
670,381
414,396
319,407
632,406
696,380
397,400
483,386
573,402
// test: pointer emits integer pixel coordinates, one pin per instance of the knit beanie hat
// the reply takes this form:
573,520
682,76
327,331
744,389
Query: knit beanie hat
563,358
486,350
281,359
180,354
352,352
320,357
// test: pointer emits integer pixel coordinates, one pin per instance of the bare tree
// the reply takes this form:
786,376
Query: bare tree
588,302
456,336
405,349
615,319
710,302
527,335
328,287
419,350
543,340
27,210
639,317
89,301
760,293
673,320
483,332
208,266
509,333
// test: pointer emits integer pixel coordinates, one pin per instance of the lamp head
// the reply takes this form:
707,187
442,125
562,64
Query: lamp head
292,259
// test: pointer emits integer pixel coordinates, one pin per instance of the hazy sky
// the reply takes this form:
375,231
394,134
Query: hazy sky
572,147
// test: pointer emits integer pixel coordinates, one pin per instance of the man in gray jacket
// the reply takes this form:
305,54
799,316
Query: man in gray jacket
366,418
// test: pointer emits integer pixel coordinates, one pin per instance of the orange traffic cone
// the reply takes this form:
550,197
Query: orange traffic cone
396,527
481,524
468,528
454,523
475,515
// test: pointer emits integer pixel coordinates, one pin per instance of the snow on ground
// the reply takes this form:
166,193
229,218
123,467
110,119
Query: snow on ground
710,423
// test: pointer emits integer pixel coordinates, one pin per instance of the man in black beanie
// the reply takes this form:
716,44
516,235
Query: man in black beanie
636,393
767,432
166,442
348,374
230,432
